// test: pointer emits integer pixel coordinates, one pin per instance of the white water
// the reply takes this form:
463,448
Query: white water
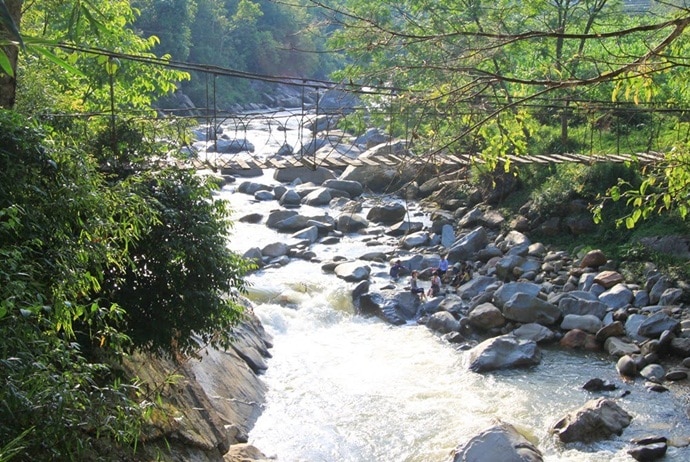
345,388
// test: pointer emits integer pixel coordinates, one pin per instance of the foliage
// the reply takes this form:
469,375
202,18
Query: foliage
664,190
57,35
57,235
183,280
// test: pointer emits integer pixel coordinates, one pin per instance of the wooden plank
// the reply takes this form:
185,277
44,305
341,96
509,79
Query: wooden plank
458,160
367,161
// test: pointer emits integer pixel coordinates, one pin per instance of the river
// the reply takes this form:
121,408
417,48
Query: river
347,388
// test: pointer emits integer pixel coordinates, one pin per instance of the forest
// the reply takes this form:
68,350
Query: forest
102,238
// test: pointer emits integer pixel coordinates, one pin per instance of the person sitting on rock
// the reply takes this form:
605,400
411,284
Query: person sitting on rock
414,286
395,270
435,288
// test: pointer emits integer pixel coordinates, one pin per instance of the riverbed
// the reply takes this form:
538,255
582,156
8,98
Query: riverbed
347,388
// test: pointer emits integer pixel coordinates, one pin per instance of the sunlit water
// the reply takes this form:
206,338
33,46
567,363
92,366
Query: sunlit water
345,388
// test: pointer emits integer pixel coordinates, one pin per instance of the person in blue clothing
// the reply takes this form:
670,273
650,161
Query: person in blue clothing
395,270
442,266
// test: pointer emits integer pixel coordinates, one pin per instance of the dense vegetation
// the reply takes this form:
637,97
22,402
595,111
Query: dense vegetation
261,37
106,246
107,249
505,78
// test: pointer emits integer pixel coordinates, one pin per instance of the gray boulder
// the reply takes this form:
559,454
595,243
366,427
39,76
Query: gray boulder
502,442
527,308
654,325
535,332
467,246
389,213
503,352
509,290
318,197
586,322
353,271
305,174
443,322
617,296
573,305
596,420
351,222
352,188
486,316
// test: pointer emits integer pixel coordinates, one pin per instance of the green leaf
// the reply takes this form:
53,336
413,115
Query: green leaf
5,63
57,60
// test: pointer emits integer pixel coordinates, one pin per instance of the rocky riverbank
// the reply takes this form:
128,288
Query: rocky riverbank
521,297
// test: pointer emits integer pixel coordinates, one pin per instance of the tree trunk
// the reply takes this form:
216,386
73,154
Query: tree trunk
8,84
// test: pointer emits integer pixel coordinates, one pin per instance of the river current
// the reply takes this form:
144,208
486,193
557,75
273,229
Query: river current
346,388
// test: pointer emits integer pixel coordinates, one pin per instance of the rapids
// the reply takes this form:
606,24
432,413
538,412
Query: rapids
347,388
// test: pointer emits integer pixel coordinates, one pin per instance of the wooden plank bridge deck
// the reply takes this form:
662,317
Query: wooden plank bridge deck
334,160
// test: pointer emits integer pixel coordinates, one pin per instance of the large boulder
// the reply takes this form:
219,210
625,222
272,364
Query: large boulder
352,188
504,352
389,213
353,271
305,174
596,420
468,245
528,308
502,442
509,290
382,178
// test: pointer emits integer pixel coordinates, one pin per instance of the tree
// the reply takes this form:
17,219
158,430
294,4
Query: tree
502,78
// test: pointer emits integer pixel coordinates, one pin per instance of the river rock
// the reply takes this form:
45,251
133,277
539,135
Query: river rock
608,279
574,305
525,308
596,420
505,351
593,259
353,271
244,452
476,286
405,227
653,372
389,213
486,316
318,197
251,187
290,198
310,234
447,236
614,329
656,324
394,311
506,265
658,288
413,240
276,249
305,174
466,246
502,442
587,322
627,366
382,178
264,196
510,289
670,296
577,339
351,222
352,188
617,296
535,332
618,347
648,452
443,322
252,218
